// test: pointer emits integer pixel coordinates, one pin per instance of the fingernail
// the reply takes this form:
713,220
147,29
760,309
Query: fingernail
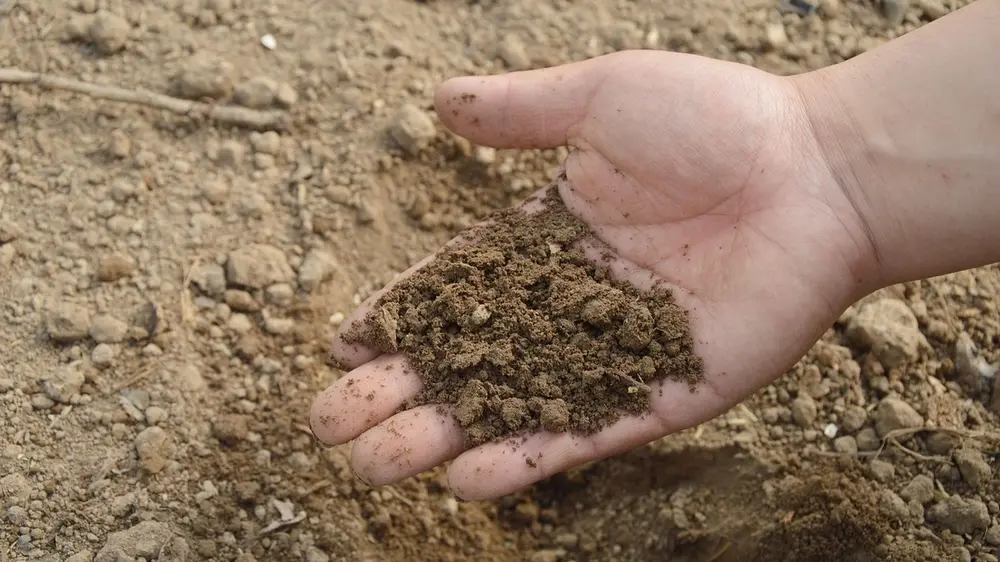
359,477
322,443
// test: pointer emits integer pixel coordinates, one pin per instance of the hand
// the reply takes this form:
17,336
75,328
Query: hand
704,173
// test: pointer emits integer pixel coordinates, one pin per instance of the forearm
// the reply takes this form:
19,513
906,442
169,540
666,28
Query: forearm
911,130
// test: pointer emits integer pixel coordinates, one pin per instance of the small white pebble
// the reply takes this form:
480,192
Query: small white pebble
269,42
337,318
830,430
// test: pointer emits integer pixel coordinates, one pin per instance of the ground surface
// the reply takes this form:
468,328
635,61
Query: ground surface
168,289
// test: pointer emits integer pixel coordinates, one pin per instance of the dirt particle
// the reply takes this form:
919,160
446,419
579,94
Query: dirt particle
960,515
67,323
108,32
893,414
412,129
558,314
155,447
257,266
256,93
204,76
973,466
919,489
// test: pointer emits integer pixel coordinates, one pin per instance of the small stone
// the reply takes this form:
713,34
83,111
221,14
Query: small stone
314,554
67,323
119,145
548,555
881,470
940,443
155,415
7,254
41,402
920,489
933,9
278,326
257,93
108,32
82,556
113,267
286,96
257,266
894,11
853,419
263,161
846,444
210,278
231,153
145,540
9,231
280,294
892,504
268,142
189,378
413,130
992,537
64,384
230,429
889,328
804,410
511,51
894,414
154,447
102,355
974,468
960,515
204,77
108,329
241,301
215,191
775,36
316,268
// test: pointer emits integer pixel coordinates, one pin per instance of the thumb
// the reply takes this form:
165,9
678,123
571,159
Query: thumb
531,109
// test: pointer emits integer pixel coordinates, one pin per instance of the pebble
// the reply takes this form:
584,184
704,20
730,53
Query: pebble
894,11
155,415
314,554
15,489
933,9
144,539
113,267
102,355
210,278
992,536
64,384
920,489
960,515
7,254
108,329
881,470
893,414
775,36
108,32
258,92
204,76
82,556
67,323
853,419
119,145
267,143
890,329
278,326
241,301
317,266
286,96
230,153
229,429
511,51
973,466
9,231
189,378
413,130
804,411
239,323
154,446
41,402
846,444
280,294
257,266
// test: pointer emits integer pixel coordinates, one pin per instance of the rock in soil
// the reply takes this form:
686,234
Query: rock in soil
520,331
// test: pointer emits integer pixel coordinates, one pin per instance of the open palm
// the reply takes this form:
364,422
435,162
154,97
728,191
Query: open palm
702,173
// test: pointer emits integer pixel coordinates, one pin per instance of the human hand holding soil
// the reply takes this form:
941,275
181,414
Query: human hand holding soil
738,189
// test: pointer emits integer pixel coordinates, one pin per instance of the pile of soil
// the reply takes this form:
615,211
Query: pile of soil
520,330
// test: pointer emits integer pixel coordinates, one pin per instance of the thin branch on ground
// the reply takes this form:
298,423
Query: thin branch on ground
892,438
226,115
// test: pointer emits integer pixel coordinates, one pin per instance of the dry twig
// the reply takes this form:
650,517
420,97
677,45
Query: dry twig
226,115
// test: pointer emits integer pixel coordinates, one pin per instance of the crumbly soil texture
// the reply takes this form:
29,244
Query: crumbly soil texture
170,287
519,330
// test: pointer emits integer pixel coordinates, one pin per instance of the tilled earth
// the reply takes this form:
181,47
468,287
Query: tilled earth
169,286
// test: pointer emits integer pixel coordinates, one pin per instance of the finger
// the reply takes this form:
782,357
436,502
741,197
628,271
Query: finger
530,109
363,398
353,355
496,469
406,444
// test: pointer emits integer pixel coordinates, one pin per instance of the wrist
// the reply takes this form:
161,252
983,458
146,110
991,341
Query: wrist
845,156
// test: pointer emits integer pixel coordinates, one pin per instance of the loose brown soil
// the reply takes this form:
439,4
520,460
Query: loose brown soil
169,288
520,330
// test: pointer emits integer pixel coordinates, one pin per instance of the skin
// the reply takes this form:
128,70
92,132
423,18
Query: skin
761,199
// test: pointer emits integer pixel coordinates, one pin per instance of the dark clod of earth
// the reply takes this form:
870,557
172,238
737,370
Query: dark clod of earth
521,331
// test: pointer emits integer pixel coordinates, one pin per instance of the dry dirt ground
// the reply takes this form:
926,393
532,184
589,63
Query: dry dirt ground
168,287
